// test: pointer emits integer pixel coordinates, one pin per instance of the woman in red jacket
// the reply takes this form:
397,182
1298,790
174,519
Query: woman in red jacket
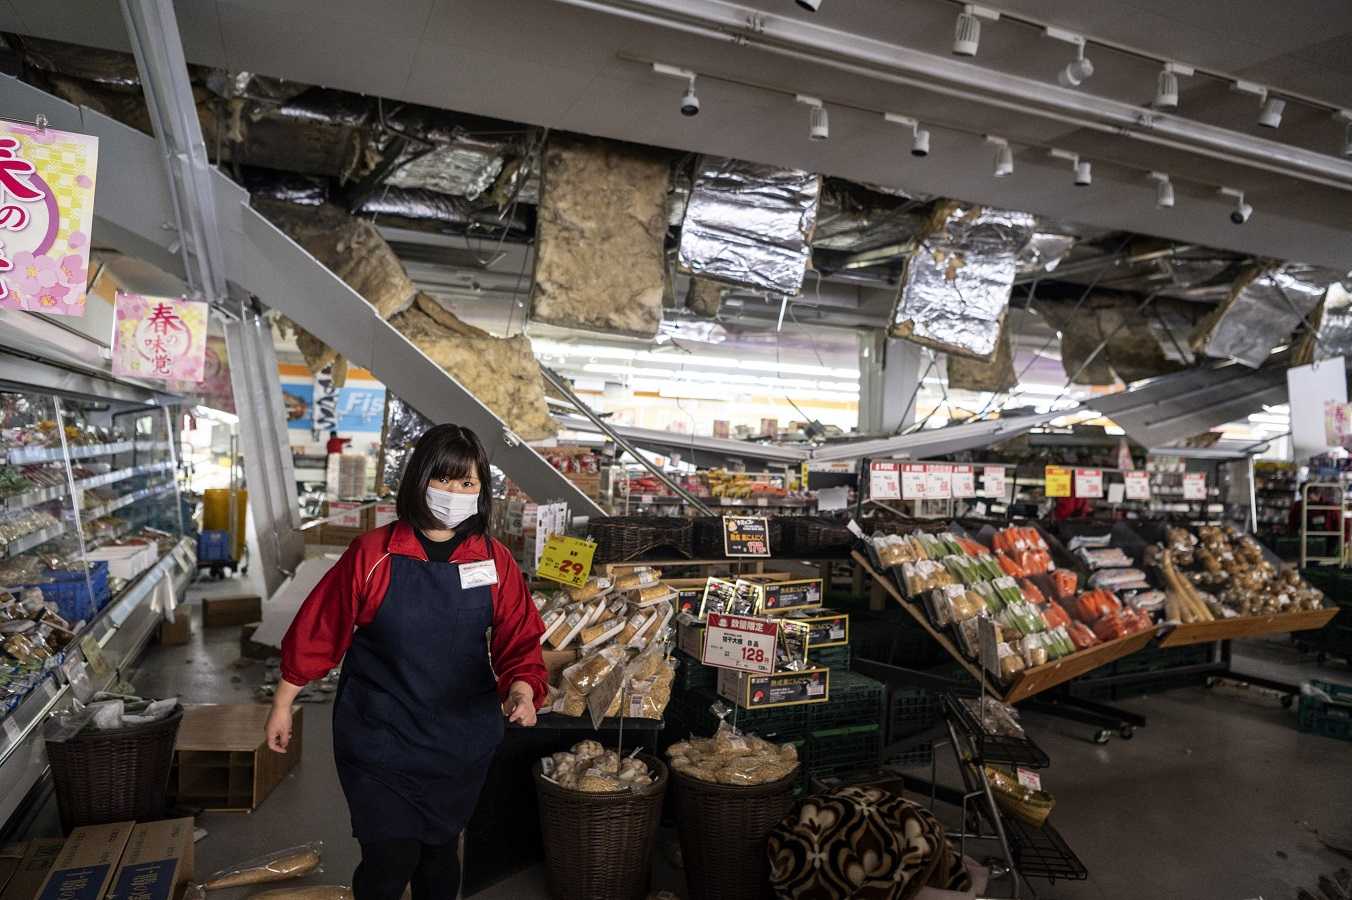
439,643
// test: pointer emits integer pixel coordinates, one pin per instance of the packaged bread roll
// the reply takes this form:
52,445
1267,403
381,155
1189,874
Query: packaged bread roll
631,628
553,621
596,636
638,578
292,862
657,593
565,633
595,587
307,892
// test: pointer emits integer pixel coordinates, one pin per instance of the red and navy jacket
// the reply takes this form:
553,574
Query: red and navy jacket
349,595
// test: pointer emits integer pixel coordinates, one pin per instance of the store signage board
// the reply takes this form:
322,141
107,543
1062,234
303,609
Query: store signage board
567,560
913,482
160,337
1058,481
964,482
740,642
746,536
938,482
385,514
46,212
1089,483
1029,779
988,644
884,481
1194,485
993,482
1137,485
343,514
1310,389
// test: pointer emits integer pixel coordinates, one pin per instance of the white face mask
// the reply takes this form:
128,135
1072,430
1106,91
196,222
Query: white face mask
452,509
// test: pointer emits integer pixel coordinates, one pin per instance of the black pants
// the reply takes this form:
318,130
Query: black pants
387,867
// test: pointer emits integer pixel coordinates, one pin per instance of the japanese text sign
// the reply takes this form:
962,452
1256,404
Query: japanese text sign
1194,486
1137,485
1058,481
913,482
160,337
46,212
1089,483
567,560
746,536
883,481
938,482
993,481
964,482
740,642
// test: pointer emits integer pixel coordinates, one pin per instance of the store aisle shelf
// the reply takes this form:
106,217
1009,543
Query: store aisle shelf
34,539
25,456
121,629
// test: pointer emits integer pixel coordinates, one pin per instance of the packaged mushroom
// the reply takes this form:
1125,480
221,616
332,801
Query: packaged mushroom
590,768
730,757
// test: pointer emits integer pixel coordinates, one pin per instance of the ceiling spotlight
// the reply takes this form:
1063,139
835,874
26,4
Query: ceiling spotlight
1004,156
1166,85
1270,113
689,102
967,30
920,137
819,124
1078,69
809,5
1270,116
1164,190
1345,116
1084,175
1242,211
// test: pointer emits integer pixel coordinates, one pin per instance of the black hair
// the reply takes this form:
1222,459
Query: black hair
333,433
444,451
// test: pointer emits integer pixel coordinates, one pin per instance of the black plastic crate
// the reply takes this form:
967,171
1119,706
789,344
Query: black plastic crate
1332,717
836,751
911,756
911,710
855,700
692,674
832,658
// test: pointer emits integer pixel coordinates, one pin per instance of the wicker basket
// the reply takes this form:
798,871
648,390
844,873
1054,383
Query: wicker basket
813,537
600,845
621,538
724,829
116,775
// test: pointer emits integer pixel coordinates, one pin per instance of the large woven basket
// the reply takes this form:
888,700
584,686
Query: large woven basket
600,845
814,537
724,829
622,538
114,776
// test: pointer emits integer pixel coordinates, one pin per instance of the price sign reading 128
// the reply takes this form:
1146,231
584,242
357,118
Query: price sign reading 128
740,642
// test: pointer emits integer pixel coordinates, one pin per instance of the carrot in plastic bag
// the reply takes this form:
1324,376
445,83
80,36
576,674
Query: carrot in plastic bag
1031,592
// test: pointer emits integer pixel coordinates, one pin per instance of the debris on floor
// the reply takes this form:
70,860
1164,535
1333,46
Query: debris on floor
320,691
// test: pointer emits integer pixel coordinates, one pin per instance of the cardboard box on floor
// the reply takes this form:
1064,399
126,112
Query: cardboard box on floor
221,759
158,861
236,609
84,868
31,871
10,857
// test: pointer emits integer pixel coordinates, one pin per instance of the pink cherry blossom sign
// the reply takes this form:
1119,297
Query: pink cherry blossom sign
160,337
46,212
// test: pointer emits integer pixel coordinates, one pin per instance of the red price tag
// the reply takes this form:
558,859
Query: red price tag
745,643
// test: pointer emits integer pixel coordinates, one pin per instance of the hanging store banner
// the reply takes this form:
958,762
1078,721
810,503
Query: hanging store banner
160,337
46,212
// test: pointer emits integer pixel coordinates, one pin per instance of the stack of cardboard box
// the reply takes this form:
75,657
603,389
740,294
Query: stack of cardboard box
119,860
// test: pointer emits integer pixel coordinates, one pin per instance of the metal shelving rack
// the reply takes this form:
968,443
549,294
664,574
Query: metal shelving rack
1305,533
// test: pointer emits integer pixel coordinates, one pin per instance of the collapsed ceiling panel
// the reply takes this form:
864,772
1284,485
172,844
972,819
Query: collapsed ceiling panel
1107,338
749,225
997,375
1263,308
703,297
599,259
1177,407
955,289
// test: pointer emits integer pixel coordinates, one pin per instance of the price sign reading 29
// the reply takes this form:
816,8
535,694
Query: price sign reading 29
746,536
566,560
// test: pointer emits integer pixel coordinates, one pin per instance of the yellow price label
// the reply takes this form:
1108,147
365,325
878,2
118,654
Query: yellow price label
1058,481
567,560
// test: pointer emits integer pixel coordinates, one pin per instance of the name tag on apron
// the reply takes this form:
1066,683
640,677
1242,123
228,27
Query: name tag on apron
478,574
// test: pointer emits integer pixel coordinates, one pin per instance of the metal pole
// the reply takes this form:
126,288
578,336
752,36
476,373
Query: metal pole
562,386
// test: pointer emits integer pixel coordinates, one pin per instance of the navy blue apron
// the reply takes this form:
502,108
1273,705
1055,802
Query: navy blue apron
417,717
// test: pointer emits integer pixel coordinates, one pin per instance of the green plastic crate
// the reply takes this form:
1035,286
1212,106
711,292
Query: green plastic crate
835,751
911,710
1331,718
832,658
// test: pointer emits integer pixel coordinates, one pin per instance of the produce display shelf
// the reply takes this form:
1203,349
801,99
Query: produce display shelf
994,748
34,539
98,512
23,456
1028,682
1042,852
108,478
16,502
1247,626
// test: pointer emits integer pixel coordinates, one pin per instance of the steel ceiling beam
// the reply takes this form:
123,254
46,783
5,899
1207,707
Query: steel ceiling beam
857,54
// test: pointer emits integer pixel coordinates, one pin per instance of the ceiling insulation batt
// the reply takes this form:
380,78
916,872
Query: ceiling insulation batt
464,168
602,220
1263,308
1333,328
955,290
703,297
501,372
966,373
749,225
1108,338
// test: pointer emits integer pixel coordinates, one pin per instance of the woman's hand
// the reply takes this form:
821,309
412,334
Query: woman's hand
519,707
278,729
